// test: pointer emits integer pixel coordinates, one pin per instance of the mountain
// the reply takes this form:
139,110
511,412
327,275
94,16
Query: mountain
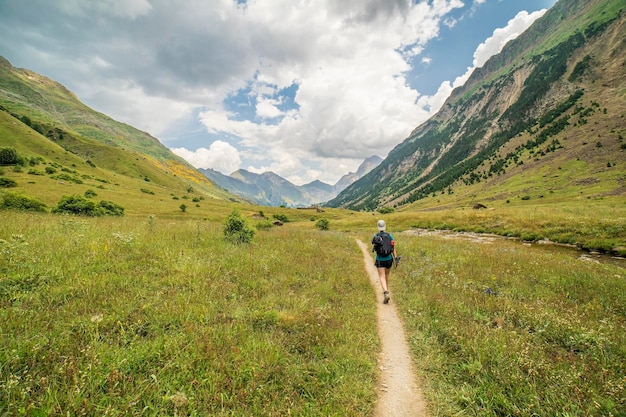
71,148
365,167
545,118
271,189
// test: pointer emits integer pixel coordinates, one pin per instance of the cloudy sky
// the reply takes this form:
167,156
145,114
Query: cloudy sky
304,88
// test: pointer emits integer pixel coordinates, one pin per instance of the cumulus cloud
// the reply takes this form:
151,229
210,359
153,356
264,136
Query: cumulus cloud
494,45
501,36
344,64
220,156
352,101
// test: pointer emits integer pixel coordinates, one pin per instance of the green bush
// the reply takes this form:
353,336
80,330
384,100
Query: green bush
9,156
79,205
22,203
322,224
109,208
264,225
67,177
236,229
281,217
90,193
7,183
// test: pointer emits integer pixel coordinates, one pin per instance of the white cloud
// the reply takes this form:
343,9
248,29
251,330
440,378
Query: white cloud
150,62
352,94
501,36
221,156
266,108
490,47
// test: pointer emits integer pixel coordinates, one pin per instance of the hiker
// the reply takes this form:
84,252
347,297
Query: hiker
384,246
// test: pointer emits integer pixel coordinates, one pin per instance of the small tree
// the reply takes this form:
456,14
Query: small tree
236,229
183,208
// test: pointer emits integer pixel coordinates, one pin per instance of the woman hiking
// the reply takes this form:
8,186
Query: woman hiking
384,246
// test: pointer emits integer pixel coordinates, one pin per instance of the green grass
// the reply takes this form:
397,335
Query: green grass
591,224
147,316
158,315
504,329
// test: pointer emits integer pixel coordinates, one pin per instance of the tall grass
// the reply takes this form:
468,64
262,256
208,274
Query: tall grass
143,316
504,329
152,316
591,225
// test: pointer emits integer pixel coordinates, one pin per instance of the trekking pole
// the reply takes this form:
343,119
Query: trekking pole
396,260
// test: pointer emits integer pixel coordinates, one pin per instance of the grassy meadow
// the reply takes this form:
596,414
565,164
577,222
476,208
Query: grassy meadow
151,315
143,316
500,329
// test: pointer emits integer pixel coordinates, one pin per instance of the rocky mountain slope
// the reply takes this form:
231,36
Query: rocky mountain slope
550,105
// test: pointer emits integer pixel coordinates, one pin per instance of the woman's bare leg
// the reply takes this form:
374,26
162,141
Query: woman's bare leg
383,276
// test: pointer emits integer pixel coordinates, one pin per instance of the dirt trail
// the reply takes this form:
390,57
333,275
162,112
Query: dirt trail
399,393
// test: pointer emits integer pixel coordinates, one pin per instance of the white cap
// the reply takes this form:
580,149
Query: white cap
381,225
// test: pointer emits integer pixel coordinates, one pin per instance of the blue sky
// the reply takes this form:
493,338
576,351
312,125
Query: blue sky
306,89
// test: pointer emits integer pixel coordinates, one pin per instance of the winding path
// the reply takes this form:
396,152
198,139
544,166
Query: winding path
399,393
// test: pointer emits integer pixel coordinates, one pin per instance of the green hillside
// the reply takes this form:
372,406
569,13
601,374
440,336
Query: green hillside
68,149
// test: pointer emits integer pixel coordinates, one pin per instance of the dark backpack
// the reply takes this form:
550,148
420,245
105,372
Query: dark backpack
382,244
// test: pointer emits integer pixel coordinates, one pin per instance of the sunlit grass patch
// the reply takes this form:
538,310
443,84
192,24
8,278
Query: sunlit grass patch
158,316
504,329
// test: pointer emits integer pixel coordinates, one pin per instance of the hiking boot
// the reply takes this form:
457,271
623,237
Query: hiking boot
386,297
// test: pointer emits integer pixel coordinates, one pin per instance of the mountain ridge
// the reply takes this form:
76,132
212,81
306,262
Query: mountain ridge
270,189
526,104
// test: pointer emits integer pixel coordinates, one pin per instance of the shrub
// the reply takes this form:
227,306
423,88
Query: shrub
7,183
9,156
322,224
281,217
67,177
77,204
90,193
109,208
236,229
22,203
386,210
264,225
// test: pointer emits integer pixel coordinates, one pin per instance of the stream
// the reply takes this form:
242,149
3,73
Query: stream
543,244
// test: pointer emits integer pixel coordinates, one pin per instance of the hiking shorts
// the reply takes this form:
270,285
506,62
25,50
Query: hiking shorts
384,264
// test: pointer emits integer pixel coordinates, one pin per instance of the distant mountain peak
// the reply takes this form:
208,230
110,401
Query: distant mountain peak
271,189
